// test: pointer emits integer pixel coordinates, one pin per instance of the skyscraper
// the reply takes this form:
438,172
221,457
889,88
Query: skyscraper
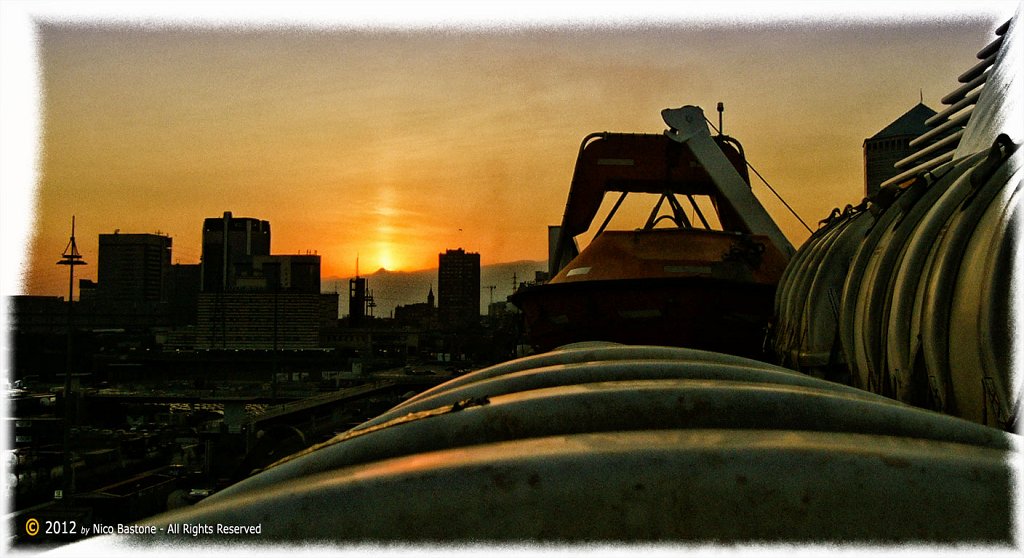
133,271
458,289
229,243
253,299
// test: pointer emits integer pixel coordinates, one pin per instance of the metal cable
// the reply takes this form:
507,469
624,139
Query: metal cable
751,167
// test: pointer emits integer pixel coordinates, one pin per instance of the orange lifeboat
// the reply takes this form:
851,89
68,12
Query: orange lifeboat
706,282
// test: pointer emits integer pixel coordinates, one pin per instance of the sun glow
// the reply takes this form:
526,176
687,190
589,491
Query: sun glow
383,156
386,257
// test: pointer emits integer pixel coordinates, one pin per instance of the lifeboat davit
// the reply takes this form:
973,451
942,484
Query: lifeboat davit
706,281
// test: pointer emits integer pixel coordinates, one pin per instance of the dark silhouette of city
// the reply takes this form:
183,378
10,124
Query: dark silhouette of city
164,382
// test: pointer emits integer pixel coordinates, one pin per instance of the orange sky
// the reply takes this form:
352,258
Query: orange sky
397,143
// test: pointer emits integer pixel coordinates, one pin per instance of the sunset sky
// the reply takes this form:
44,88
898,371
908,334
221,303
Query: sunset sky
394,139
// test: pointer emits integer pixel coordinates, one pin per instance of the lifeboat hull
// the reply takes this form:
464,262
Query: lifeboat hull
704,290
695,312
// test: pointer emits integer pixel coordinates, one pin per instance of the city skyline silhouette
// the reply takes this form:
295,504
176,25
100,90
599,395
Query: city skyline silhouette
395,143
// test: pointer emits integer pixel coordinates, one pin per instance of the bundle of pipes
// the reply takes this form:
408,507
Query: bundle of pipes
911,294
611,442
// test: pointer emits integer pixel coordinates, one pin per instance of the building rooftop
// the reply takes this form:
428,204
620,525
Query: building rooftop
910,124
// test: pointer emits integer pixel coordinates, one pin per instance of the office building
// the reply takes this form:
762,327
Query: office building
252,299
287,273
458,289
229,245
258,320
183,293
133,272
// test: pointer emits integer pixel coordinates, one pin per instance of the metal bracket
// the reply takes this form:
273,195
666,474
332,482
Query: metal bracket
687,125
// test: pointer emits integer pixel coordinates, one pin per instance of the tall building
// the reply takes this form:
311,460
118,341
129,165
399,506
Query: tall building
458,289
253,299
183,294
357,299
291,273
230,243
133,271
258,320
891,144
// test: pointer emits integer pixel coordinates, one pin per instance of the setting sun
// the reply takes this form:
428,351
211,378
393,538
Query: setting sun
395,146
386,258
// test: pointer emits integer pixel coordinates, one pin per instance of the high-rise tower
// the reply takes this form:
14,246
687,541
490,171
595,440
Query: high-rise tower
133,273
458,288
230,242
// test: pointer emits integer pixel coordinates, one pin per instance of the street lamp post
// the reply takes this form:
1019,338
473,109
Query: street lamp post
70,258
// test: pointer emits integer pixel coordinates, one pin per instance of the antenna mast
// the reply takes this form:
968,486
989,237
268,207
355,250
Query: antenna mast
71,257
